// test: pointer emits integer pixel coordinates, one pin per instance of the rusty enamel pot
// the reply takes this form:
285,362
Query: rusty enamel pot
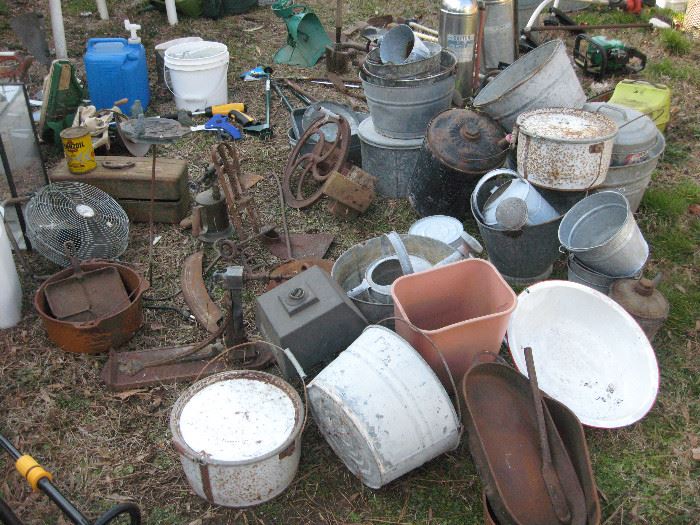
100,335
460,146
564,149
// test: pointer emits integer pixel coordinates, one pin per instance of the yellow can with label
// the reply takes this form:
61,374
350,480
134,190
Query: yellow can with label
77,147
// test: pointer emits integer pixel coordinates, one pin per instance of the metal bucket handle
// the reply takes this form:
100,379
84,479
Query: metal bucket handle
278,352
656,113
453,384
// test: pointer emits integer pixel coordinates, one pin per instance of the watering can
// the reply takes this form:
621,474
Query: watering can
306,38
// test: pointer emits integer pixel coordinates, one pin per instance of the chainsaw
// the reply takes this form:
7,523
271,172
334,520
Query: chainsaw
602,57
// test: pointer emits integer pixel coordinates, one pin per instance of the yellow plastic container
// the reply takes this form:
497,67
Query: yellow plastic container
77,147
653,100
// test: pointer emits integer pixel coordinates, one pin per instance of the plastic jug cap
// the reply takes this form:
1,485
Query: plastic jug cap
134,38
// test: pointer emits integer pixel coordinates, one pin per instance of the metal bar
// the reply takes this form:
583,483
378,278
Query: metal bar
590,27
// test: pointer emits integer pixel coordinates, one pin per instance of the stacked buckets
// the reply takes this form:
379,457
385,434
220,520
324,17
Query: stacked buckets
402,99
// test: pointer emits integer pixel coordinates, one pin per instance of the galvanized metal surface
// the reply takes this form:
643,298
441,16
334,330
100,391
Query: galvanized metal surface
405,111
632,180
564,148
195,293
419,68
381,409
642,301
262,474
448,230
601,231
637,133
460,146
297,130
447,66
210,216
390,160
579,273
457,30
499,47
543,78
101,334
312,316
606,373
351,267
524,256
503,439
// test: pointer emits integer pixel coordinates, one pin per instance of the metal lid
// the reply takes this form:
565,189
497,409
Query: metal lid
369,135
636,132
441,227
237,419
466,140
566,125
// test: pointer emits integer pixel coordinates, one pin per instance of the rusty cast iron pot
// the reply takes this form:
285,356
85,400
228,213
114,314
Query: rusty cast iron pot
92,337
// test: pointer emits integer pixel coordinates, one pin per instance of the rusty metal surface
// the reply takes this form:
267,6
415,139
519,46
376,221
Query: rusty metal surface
503,440
466,141
101,334
305,174
195,293
286,271
354,189
86,296
241,205
642,301
567,124
304,245
118,374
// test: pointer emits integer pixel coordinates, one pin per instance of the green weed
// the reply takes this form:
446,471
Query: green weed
684,301
671,203
667,68
675,41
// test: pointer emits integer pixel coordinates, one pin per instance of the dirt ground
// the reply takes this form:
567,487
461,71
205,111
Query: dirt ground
104,447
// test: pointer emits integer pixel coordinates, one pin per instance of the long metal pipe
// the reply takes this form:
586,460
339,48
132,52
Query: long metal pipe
59,33
589,27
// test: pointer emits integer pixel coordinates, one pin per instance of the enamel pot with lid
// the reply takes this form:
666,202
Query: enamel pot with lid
564,149
460,146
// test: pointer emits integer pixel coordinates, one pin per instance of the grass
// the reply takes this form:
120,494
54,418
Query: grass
675,42
104,448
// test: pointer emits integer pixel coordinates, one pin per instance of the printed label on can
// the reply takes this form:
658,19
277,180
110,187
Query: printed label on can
462,45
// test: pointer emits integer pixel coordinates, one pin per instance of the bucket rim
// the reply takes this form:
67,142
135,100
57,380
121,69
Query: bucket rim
654,153
555,46
202,44
536,134
595,196
184,450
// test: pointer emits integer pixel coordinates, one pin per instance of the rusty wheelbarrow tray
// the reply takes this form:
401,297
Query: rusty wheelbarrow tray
504,443
97,335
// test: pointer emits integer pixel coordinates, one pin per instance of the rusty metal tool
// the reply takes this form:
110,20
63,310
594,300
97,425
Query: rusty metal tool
350,193
194,291
562,498
305,97
232,280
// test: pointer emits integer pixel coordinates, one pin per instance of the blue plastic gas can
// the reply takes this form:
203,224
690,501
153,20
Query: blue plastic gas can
116,68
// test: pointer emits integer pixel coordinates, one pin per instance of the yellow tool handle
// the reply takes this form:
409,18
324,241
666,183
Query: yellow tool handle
29,469
224,109
242,118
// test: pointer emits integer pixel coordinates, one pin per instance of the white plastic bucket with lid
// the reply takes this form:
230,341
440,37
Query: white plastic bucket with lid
196,74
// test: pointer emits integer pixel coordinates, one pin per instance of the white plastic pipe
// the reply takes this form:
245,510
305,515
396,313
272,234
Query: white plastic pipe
171,11
102,9
538,11
59,34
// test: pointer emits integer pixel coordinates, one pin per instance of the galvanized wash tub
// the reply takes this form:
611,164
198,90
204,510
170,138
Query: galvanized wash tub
524,256
601,231
390,160
350,269
632,180
238,434
382,409
404,109
424,67
543,78
564,149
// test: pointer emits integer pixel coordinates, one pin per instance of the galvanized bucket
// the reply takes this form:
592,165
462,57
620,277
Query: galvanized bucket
404,109
632,180
543,78
350,269
524,256
579,273
382,409
601,231
427,66
390,160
